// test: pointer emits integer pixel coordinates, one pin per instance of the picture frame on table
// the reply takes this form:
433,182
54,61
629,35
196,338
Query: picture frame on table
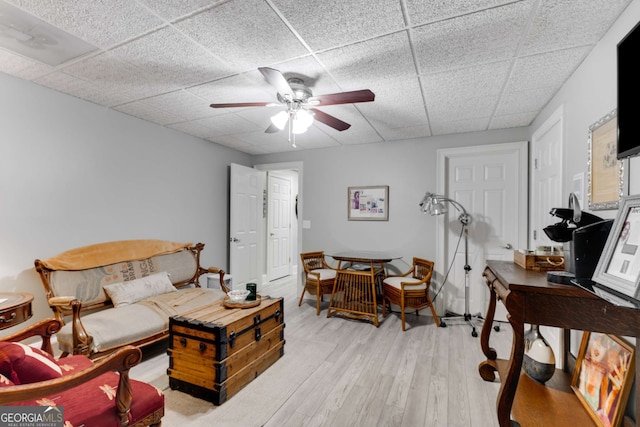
618,267
370,203
603,375
607,176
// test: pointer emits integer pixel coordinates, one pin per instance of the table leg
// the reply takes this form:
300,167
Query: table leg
487,326
509,383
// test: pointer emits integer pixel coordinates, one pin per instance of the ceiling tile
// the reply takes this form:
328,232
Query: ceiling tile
464,93
460,126
172,9
168,57
387,57
436,67
483,37
560,24
21,67
524,101
422,12
512,120
225,124
332,23
550,69
170,108
247,26
82,89
101,23
397,134
246,87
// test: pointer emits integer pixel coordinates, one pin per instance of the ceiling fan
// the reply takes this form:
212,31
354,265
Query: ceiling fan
300,102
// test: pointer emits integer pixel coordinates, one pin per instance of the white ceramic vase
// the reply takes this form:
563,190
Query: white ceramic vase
539,361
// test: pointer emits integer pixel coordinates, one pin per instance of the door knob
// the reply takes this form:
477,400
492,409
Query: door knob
233,239
508,246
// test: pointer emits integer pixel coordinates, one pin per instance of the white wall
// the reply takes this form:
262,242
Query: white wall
407,167
588,95
73,173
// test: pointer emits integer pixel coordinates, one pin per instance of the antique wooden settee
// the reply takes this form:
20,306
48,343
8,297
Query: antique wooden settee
120,293
74,389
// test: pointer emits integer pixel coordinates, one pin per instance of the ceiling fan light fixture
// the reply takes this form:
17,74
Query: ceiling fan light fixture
280,119
302,119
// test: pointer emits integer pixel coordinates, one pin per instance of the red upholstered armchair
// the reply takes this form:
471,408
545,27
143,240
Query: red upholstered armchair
91,393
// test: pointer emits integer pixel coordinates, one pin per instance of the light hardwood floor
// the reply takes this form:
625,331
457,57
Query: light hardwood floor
340,372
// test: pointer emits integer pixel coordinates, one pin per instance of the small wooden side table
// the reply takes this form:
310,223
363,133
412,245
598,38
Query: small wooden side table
15,308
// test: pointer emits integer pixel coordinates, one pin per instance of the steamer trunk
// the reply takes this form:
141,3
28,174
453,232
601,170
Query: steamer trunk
215,351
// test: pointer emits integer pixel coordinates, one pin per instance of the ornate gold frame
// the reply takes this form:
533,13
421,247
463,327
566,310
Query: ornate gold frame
606,174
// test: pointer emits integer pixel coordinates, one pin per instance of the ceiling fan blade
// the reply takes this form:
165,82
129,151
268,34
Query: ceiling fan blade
352,97
329,120
277,80
241,104
272,129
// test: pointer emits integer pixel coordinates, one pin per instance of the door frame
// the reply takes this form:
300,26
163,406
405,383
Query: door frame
557,117
443,157
298,167
288,177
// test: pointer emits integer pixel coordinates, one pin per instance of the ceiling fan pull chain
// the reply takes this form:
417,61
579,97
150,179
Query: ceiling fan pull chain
291,117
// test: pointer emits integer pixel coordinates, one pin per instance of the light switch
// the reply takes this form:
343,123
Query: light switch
306,223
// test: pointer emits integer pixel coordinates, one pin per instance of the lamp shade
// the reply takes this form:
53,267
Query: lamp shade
301,121
438,208
280,119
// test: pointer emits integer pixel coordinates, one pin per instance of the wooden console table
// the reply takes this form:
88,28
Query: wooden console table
529,298
15,308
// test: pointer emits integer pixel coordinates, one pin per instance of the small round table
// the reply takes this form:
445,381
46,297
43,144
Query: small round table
15,308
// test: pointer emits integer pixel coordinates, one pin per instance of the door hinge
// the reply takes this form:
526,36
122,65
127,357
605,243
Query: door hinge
535,234
535,164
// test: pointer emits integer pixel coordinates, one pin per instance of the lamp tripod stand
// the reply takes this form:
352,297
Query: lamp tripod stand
433,204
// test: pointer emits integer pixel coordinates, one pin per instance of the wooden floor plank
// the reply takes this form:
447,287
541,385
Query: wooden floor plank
340,372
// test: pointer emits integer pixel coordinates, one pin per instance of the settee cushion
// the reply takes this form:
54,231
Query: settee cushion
93,403
140,320
23,364
88,285
125,293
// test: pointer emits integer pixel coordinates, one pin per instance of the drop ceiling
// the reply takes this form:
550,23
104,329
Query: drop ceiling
436,67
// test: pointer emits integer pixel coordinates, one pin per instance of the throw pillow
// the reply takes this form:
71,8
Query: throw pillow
125,293
23,364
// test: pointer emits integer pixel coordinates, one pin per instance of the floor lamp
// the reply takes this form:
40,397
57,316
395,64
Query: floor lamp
434,204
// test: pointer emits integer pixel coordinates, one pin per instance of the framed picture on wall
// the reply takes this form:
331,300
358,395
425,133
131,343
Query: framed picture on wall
368,203
606,174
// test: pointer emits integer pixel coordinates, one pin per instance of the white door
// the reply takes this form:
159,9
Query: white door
546,178
245,224
490,181
279,227
546,193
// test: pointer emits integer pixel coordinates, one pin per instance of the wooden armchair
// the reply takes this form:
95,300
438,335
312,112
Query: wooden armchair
319,277
410,290
90,393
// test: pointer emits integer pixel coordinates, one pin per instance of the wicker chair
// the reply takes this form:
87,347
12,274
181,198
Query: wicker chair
410,290
319,277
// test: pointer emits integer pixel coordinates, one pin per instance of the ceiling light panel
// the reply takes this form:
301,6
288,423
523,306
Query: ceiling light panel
104,24
33,38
